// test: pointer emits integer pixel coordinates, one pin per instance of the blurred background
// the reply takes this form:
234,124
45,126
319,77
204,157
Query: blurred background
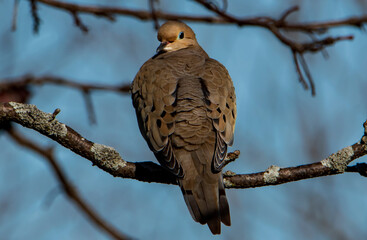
278,123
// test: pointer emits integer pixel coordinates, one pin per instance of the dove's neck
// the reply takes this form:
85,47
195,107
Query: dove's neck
183,53
200,50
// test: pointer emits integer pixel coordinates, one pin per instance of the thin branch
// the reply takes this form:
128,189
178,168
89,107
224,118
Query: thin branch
314,38
15,15
214,8
154,16
70,191
30,80
287,13
89,105
36,19
55,113
109,160
78,22
300,61
299,70
308,74
225,5
231,157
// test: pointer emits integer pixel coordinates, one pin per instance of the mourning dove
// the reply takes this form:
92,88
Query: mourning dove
186,109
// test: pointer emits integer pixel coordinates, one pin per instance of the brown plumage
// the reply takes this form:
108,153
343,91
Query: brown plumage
186,110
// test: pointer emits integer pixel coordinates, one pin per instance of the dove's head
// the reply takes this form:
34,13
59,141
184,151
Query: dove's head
174,36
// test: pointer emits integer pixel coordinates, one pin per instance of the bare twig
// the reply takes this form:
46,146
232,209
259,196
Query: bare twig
70,191
36,19
78,22
54,114
154,16
299,60
299,70
214,8
110,161
15,15
315,39
89,105
287,13
225,5
308,74
231,157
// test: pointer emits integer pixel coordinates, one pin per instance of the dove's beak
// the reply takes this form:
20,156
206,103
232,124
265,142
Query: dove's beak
161,47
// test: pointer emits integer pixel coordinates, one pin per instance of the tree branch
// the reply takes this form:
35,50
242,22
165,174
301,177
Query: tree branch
69,190
109,160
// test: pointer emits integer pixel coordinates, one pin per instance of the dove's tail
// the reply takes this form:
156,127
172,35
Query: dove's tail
207,203
205,196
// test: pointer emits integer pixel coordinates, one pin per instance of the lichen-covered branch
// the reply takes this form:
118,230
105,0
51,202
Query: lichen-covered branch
109,159
334,164
104,157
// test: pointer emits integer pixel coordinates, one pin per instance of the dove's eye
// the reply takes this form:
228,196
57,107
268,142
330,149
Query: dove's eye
181,35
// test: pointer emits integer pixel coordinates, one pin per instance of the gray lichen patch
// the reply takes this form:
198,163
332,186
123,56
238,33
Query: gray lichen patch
338,161
228,183
107,157
271,174
45,123
229,173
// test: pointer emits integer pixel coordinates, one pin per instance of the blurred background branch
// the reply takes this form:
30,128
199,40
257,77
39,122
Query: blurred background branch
15,84
24,81
67,187
274,25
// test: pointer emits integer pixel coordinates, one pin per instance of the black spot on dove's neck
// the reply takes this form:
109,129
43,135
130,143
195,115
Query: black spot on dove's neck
158,53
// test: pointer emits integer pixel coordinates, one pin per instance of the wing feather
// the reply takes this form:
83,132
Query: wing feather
220,101
153,98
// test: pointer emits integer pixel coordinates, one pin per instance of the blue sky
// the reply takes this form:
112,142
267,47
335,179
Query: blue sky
278,124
